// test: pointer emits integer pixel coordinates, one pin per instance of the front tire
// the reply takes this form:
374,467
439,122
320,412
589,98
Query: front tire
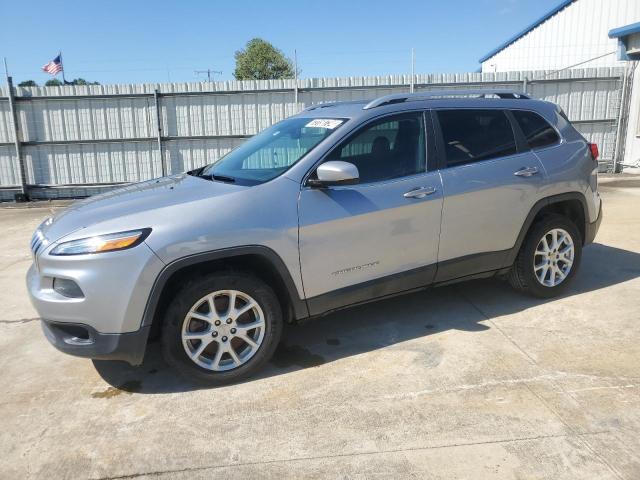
549,258
221,328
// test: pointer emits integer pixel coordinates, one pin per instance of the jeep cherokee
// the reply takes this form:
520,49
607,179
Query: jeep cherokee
340,204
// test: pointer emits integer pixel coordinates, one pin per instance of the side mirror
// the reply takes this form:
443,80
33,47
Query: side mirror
335,173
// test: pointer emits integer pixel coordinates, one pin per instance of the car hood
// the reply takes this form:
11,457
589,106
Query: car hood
133,200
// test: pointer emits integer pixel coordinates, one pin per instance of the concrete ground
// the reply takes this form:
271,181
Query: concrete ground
468,381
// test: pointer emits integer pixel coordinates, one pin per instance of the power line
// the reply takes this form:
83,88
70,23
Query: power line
573,66
208,71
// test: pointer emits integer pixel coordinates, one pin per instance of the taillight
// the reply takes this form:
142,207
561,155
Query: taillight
594,151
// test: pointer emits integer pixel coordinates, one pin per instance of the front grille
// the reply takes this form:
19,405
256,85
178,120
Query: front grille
38,241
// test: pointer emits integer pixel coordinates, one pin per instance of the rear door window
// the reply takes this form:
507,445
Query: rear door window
536,129
475,135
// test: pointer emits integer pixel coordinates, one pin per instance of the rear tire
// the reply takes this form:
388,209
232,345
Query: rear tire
549,257
221,328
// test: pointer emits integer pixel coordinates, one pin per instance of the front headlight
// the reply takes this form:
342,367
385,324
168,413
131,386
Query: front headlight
102,243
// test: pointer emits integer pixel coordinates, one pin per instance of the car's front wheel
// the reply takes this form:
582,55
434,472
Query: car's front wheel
222,327
549,257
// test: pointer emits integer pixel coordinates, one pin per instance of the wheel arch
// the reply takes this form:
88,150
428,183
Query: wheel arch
262,261
572,205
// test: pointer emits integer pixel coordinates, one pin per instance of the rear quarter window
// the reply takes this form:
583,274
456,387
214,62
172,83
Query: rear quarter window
538,132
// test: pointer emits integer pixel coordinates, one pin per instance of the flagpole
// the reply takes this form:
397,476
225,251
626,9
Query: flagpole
64,80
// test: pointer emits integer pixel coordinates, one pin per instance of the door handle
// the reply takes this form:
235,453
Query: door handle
526,172
420,192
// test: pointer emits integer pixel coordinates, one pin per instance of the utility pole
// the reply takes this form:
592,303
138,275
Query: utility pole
208,71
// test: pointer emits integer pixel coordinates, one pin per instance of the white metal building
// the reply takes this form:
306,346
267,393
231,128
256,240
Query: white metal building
575,34
575,31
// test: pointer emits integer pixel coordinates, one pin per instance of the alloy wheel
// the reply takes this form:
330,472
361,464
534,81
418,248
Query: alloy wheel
223,330
553,257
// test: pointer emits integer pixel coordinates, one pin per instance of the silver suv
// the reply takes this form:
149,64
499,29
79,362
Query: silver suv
341,204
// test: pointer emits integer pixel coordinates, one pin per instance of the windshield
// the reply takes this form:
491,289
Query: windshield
272,151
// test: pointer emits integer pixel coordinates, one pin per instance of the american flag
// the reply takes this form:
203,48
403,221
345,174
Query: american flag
54,66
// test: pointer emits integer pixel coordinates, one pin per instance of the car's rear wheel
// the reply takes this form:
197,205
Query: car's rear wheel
549,257
222,328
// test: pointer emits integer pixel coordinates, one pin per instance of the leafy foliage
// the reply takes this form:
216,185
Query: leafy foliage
260,60
28,83
81,81
54,82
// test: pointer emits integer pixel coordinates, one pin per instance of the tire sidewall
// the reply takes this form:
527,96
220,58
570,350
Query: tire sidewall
194,290
534,238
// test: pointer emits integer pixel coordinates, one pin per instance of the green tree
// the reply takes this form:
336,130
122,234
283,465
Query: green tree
261,61
54,82
81,81
28,83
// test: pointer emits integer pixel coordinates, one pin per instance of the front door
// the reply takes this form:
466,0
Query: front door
380,236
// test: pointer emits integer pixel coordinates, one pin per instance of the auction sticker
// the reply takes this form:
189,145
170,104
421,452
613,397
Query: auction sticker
329,123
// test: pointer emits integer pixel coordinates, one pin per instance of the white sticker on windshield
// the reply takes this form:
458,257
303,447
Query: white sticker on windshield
329,123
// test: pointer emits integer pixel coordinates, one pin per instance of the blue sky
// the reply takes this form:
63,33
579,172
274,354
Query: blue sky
141,41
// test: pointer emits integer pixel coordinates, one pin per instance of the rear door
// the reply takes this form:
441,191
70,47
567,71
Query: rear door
380,236
491,180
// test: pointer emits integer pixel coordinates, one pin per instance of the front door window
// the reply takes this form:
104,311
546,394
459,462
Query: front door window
390,148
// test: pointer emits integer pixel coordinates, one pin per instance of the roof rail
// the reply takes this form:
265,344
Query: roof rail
319,105
316,106
409,97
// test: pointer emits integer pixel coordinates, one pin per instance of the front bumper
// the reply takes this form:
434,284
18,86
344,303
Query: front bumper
115,288
84,341
105,320
591,229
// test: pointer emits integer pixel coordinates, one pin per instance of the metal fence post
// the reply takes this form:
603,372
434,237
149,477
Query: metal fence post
621,133
156,99
295,78
412,83
22,196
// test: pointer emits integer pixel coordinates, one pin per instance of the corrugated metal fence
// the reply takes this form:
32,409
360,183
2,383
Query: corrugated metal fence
79,140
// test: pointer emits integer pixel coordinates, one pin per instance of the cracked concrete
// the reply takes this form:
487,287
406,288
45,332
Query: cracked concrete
467,381
21,320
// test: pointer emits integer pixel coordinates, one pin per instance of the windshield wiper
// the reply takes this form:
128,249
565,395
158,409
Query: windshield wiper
221,178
